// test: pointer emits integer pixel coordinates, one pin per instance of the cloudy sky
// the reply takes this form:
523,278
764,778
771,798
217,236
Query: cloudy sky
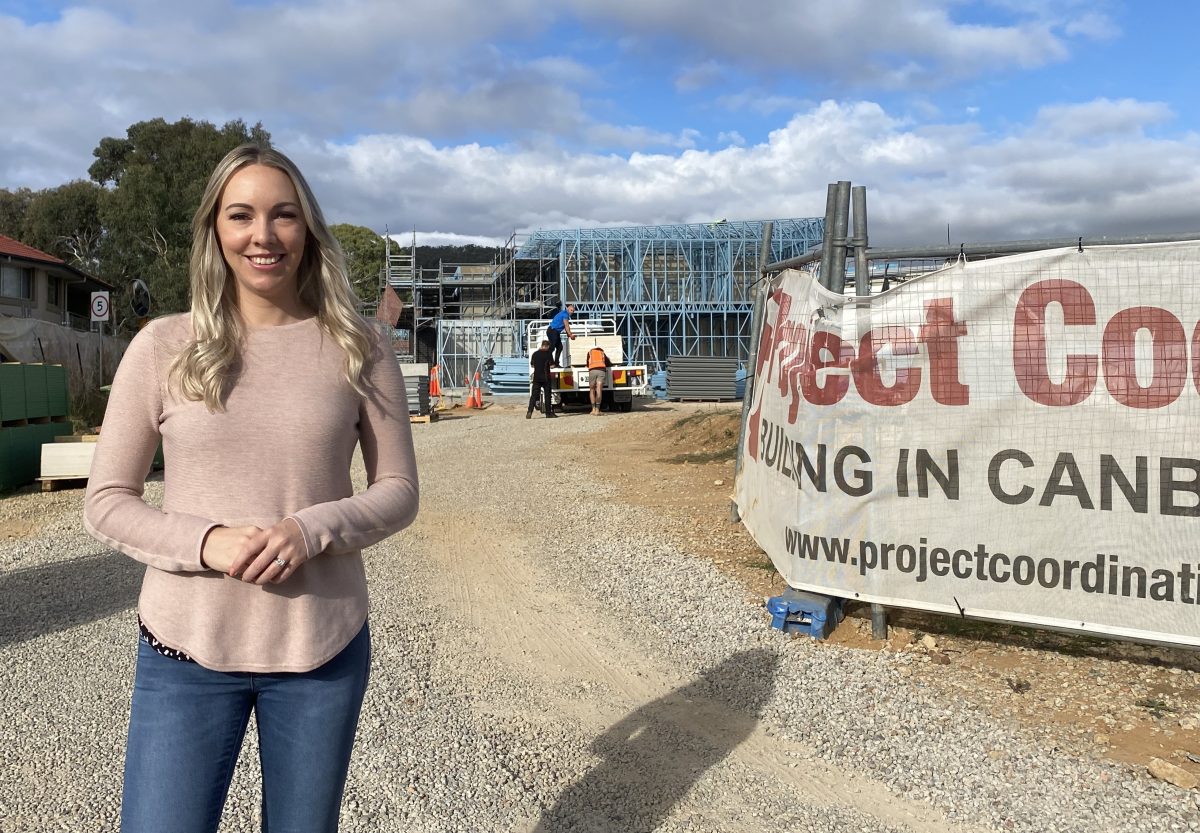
477,118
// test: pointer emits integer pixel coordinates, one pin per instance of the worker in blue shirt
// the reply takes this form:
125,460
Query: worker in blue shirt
560,323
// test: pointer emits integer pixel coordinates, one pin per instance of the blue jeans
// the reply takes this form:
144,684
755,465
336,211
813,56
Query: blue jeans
186,727
556,346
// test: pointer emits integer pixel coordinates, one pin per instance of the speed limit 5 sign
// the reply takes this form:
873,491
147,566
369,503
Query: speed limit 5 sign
100,309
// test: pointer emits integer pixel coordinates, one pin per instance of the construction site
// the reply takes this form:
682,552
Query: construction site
577,633
673,290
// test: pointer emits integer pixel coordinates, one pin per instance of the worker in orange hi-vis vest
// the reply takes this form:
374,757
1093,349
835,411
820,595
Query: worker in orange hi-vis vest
598,364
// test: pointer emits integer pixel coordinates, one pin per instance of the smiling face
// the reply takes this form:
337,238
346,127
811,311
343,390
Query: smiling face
261,231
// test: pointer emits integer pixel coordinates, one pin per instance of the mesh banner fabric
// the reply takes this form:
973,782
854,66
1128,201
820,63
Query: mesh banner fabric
30,340
1011,439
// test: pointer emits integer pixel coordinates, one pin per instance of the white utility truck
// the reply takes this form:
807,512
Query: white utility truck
569,383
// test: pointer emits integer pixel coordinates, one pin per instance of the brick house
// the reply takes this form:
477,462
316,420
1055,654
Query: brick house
34,284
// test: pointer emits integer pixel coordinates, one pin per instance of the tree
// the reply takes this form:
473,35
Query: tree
365,254
65,221
157,175
13,205
430,256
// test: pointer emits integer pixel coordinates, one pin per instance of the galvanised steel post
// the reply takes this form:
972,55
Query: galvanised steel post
862,289
862,276
826,233
760,300
836,281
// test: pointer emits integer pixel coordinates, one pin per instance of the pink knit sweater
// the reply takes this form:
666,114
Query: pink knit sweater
282,448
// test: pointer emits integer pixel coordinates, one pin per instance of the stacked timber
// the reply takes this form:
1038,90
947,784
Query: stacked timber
68,457
702,378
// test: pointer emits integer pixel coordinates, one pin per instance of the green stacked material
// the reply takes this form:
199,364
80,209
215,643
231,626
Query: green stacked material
56,390
20,446
51,430
37,399
12,391
21,451
8,473
33,411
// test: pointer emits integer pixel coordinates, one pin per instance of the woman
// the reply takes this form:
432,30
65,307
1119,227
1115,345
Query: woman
254,597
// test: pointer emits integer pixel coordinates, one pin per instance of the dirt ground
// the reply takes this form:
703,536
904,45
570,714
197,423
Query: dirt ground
514,692
1125,702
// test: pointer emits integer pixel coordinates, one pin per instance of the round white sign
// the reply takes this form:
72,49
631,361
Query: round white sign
99,306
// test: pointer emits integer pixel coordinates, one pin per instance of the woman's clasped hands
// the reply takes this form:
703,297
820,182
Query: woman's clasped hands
255,555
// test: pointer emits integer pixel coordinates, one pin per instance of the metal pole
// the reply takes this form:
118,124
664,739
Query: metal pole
760,296
387,255
837,259
862,289
879,623
826,252
862,275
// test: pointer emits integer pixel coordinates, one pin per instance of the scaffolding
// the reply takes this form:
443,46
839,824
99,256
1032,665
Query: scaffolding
674,290
421,295
475,325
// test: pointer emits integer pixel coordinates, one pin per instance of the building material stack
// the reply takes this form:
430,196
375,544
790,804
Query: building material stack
509,374
658,384
416,386
702,378
33,411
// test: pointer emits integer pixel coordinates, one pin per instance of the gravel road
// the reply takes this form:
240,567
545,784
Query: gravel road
544,661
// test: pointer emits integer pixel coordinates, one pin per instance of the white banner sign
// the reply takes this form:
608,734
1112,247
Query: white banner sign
1015,439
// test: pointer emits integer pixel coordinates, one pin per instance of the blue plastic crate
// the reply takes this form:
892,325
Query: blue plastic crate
798,611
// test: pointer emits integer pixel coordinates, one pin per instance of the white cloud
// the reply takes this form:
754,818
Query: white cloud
1093,26
410,114
1100,118
448,238
699,76
438,68
425,67
1024,184
905,43
762,103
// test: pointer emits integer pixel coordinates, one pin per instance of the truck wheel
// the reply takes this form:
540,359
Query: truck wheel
625,407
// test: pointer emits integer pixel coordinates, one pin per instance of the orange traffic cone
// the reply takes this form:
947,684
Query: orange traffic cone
435,388
476,393
469,402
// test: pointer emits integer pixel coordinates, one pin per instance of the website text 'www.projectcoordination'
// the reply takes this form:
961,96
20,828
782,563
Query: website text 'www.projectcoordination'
1103,574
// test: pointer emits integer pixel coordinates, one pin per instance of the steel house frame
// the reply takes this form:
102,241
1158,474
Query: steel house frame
673,289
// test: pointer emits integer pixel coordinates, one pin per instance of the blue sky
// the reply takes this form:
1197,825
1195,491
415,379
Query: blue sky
471,119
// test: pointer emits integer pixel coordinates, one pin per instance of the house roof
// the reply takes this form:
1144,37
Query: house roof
15,248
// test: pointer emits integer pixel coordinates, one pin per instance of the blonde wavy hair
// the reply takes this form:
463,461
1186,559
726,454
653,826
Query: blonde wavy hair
204,368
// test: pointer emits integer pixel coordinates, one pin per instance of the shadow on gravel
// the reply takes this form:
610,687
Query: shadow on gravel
54,597
655,755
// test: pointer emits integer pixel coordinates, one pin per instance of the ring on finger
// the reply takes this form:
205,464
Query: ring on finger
279,562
